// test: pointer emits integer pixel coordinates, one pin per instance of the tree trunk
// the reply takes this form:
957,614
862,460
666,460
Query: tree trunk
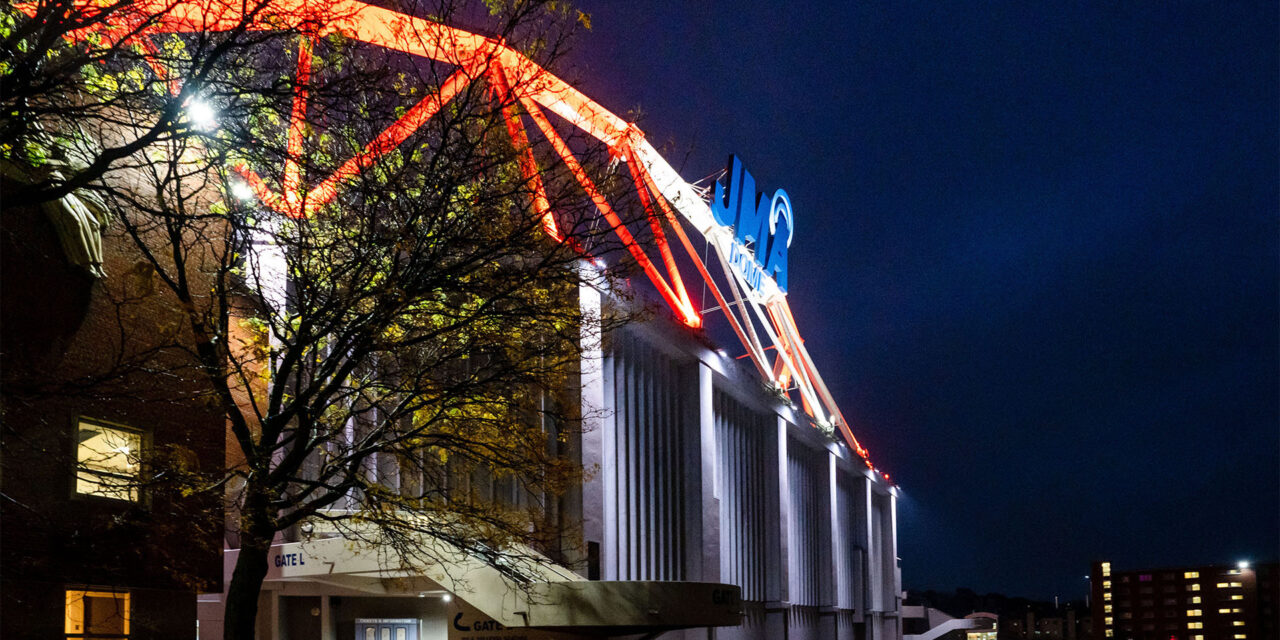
241,613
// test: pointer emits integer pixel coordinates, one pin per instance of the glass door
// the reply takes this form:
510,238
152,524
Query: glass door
387,629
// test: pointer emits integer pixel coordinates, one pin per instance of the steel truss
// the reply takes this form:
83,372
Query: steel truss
522,89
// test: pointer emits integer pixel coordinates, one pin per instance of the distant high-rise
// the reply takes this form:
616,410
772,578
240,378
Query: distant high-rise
1216,602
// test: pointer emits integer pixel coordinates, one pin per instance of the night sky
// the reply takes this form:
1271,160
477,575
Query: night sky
1035,255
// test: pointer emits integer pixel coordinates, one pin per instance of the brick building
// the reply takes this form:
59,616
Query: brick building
1214,602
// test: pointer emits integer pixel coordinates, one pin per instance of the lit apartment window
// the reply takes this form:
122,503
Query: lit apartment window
1195,625
1195,586
1237,623
1193,600
1223,585
1197,637
1236,585
1107,621
1191,613
1234,572
1111,633
107,461
1106,584
1191,574
1237,597
1237,610
1106,569
1106,596
1106,608
96,614
1240,636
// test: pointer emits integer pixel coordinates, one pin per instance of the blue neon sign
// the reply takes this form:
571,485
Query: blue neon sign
762,239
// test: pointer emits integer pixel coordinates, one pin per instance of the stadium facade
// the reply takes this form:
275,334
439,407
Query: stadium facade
725,497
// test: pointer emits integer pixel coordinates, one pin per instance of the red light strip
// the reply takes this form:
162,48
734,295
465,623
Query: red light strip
154,61
391,137
660,237
682,307
702,268
297,127
528,165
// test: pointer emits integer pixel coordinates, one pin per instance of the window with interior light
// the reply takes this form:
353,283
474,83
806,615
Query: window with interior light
108,461
94,613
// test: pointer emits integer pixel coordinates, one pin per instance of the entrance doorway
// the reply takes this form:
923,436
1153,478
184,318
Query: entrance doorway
387,629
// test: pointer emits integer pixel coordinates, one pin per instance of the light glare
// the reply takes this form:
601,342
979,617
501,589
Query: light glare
241,190
201,115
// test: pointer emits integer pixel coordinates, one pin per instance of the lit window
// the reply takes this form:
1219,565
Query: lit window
96,614
1106,584
1193,600
1191,613
1224,611
1237,610
1197,637
1237,623
1236,584
1106,596
1107,621
1195,625
1195,586
1240,636
1106,608
1191,574
107,461
1237,597
1106,569
1233,572
1223,585
1111,633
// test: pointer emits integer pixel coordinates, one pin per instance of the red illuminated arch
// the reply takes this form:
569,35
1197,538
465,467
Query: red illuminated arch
521,86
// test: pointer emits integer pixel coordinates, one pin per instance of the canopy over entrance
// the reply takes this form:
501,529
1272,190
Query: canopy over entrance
553,598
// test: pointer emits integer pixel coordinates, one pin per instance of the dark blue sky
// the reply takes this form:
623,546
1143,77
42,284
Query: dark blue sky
1035,255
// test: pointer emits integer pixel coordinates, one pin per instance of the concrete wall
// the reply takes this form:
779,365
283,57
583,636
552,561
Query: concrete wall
706,475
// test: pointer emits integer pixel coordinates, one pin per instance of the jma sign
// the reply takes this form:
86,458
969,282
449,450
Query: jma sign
762,242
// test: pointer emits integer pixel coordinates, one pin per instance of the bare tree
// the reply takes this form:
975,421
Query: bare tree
394,347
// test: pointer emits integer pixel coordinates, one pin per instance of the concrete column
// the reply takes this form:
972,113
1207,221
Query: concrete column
708,518
838,536
780,512
891,546
268,622
871,566
596,492
327,631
